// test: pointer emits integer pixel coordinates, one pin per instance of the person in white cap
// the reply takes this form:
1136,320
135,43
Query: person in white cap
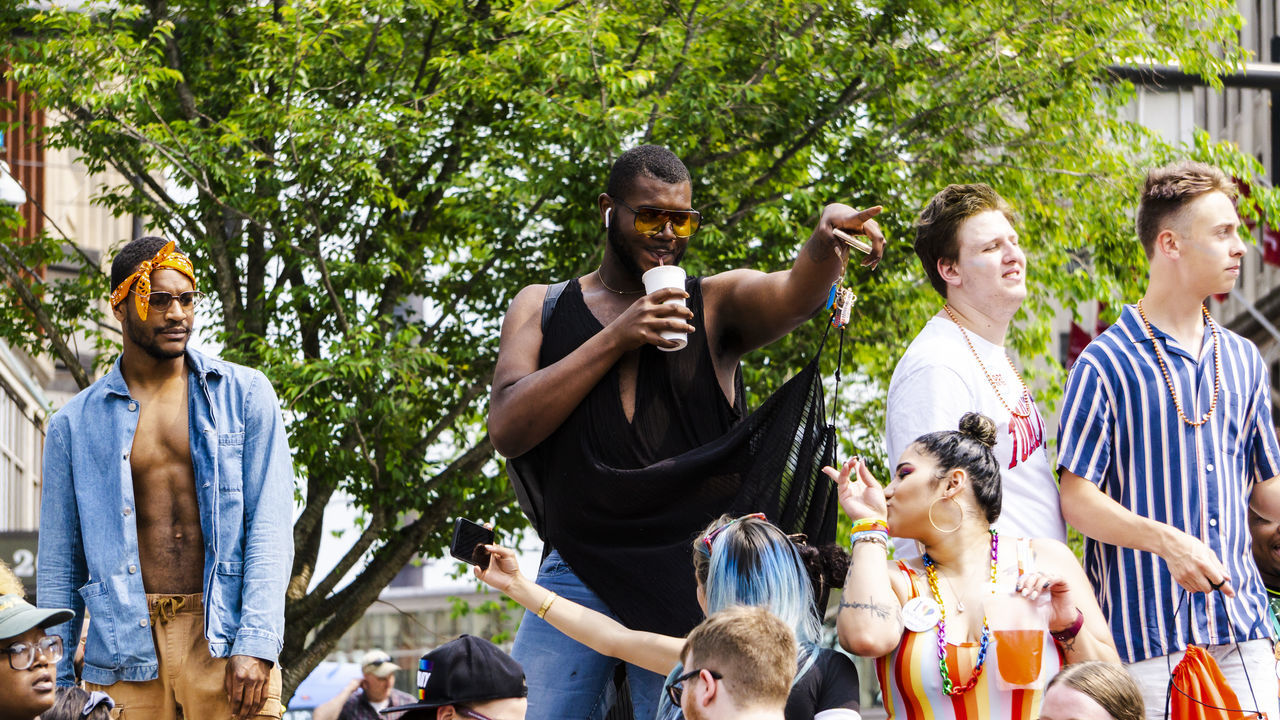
27,672
371,693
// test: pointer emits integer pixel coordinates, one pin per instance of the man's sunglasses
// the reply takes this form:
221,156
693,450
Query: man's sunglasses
469,713
675,688
162,300
650,221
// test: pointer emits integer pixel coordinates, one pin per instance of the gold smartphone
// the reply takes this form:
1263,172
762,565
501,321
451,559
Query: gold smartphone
852,241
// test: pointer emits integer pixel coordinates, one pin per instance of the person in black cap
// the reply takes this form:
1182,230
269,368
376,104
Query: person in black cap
26,674
468,678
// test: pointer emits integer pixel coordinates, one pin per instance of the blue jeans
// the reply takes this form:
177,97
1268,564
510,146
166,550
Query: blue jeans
567,679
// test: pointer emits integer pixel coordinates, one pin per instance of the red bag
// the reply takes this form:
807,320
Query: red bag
1198,691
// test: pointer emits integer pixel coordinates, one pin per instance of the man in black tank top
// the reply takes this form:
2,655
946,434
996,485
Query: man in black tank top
586,395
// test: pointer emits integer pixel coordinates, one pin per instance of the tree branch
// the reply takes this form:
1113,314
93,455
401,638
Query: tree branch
9,266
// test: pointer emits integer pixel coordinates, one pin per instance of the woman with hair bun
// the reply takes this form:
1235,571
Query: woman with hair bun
927,619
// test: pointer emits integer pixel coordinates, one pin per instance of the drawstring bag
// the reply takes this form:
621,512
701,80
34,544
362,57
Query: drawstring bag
1199,691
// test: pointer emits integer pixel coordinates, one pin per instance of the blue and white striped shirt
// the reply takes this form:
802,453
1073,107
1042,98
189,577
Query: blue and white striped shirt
1121,431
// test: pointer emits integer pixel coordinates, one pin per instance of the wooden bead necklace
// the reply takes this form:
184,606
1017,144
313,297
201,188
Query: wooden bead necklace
994,386
1164,370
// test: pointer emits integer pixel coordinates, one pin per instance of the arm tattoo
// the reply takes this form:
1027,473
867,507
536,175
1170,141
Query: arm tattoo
884,612
1068,646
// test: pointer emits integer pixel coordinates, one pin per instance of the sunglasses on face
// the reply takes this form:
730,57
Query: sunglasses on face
162,300
469,713
650,221
23,655
710,537
675,688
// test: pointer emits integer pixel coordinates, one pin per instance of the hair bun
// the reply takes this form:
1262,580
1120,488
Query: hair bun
979,427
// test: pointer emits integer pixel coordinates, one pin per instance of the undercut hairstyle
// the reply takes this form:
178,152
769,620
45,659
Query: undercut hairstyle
652,161
1168,190
1108,684
133,254
972,449
752,648
940,220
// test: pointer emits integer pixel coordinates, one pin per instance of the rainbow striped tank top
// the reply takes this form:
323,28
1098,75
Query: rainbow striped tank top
912,686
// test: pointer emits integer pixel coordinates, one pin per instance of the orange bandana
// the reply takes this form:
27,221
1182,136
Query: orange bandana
168,257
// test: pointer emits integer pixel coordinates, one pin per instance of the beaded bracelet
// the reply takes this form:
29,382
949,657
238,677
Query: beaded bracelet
879,537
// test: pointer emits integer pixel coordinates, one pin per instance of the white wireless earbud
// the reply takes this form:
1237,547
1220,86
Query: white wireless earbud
607,212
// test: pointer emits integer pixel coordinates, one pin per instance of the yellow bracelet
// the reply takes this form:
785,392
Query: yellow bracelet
870,524
546,604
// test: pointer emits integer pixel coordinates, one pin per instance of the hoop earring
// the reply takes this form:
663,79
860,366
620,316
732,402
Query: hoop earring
935,525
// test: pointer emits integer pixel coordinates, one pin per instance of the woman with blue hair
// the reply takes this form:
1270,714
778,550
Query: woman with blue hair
742,561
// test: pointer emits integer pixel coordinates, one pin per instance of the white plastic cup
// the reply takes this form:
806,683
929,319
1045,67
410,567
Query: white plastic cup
667,276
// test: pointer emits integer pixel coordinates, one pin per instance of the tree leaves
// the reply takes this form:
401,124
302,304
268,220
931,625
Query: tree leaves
364,186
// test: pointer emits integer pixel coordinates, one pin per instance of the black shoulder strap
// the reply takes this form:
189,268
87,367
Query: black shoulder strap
549,302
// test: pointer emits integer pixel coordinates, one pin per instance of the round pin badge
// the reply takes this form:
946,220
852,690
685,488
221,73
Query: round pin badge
920,614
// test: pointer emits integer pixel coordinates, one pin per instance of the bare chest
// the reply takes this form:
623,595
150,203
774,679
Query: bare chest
162,441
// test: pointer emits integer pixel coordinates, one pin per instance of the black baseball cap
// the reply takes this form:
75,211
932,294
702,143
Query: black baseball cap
463,671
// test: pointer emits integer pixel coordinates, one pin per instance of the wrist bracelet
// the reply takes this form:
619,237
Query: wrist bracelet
879,537
1070,631
546,604
870,524
881,541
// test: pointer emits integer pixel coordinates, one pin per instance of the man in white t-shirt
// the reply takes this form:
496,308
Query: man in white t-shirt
957,363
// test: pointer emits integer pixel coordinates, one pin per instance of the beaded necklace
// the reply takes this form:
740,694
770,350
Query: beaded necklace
942,624
1217,367
994,386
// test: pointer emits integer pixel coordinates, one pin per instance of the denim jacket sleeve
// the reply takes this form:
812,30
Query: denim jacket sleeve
60,556
268,503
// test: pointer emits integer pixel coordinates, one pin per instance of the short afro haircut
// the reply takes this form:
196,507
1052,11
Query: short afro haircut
133,254
653,161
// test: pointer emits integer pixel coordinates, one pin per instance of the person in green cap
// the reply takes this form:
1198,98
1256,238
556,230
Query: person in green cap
26,679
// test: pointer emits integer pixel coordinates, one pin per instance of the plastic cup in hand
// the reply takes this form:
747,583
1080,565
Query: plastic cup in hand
1018,627
667,276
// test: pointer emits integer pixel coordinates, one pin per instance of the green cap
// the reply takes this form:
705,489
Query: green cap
18,616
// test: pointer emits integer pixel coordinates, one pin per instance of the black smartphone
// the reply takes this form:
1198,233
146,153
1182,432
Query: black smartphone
469,539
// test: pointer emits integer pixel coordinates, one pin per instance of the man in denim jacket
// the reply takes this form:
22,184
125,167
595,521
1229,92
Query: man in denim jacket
166,509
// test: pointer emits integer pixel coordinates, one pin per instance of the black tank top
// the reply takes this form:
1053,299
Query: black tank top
623,501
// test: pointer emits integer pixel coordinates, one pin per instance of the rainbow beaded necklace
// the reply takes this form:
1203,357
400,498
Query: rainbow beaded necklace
942,624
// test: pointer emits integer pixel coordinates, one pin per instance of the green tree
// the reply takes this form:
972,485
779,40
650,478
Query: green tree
364,185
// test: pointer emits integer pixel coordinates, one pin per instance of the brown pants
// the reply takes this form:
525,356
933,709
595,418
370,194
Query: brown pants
190,686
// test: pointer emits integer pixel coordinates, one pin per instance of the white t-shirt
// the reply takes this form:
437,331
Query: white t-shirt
936,382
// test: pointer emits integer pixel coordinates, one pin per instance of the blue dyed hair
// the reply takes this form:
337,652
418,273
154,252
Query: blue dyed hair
752,562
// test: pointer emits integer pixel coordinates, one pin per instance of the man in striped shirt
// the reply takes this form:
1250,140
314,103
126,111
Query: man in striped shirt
1166,441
